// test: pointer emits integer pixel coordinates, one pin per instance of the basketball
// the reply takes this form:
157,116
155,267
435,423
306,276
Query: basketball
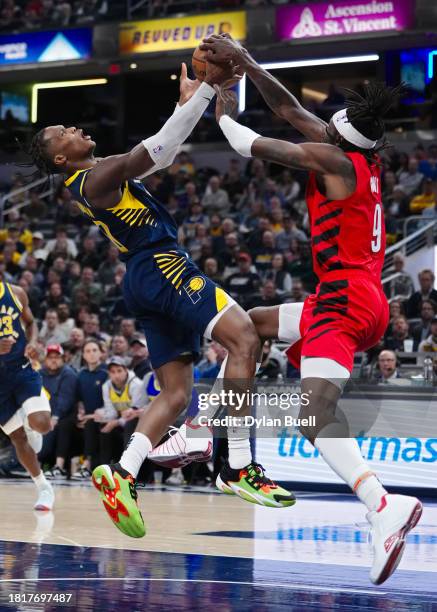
198,63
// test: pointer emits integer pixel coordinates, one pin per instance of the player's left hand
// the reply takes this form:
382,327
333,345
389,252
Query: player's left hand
187,86
223,49
227,102
31,352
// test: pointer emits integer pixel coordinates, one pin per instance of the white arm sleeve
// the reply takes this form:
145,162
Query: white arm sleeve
163,145
165,161
239,137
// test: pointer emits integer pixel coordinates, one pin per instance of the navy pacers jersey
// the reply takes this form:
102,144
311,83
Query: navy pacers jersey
10,324
138,222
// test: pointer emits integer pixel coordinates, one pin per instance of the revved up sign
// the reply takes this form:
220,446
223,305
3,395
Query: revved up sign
343,18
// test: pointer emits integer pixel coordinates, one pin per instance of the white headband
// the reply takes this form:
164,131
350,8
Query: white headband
349,133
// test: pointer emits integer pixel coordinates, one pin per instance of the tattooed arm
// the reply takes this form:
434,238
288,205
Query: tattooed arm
222,48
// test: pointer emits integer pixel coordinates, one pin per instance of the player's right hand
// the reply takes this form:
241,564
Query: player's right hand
6,345
222,49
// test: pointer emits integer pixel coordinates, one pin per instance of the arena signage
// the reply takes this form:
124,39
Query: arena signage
178,32
343,18
53,46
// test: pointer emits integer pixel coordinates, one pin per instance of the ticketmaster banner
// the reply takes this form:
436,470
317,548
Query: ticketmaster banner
396,432
315,20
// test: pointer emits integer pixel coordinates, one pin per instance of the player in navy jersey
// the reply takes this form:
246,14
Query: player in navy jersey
348,311
24,406
175,303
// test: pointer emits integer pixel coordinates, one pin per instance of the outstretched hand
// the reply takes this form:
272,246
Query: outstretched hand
187,87
227,101
222,48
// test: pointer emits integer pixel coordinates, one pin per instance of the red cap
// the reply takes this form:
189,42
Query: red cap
54,348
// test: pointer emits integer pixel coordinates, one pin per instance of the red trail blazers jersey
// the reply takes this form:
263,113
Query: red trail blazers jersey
349,311
350,233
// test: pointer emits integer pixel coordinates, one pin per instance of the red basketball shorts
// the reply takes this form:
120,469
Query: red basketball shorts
347,314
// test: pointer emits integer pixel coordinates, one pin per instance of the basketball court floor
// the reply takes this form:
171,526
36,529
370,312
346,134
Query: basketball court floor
203,551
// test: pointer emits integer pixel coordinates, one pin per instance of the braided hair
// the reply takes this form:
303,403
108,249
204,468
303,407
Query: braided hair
40,157
365,113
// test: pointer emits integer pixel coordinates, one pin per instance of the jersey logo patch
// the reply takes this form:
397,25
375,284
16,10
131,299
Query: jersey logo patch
194,287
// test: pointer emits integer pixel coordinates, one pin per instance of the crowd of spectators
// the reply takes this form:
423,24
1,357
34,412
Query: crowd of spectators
37,14
247,228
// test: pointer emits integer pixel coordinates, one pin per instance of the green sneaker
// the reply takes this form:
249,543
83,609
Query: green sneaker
251,484
119,496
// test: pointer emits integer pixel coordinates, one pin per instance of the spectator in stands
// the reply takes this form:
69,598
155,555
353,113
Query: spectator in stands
279,275
214,357
242,285
66,323
87,287
234,181
215,198
106,270
402,285
51,331
211,269
55,296
297,292
387,370
88,255
140,364
76,342
430,344
264,253
60,383
272,362
400,339
91,328
62,243
124,399
120,347
395,310
422,330
428,166
411,179
90,382
128,329
425,200
269,295
289,187
290,232
37,208
426,292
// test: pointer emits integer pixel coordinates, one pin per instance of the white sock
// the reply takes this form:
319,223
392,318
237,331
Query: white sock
139,446
40,481
240,453
343,455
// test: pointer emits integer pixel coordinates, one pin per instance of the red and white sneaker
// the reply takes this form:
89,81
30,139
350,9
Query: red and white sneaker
395,517
183,447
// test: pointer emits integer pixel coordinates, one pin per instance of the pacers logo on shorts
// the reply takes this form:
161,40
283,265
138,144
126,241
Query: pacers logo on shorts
193,288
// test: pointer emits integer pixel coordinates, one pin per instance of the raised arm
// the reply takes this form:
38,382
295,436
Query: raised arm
328,161
104,182
282,102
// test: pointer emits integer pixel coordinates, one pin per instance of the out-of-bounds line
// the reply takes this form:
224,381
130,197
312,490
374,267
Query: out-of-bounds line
295,587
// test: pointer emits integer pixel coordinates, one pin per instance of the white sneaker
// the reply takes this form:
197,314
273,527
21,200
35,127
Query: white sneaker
46,498
395,517
176,478
33,437
182,448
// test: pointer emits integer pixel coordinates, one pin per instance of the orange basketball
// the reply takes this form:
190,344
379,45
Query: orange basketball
198,62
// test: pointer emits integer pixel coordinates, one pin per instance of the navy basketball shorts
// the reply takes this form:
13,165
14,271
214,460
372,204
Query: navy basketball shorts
173,301
21,394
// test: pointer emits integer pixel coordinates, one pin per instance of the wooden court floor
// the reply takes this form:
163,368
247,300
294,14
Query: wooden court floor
204,550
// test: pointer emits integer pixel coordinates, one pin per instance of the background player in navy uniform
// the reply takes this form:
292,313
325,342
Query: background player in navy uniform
172,300
24,406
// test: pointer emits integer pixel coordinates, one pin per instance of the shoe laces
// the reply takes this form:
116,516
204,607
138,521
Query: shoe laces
257,478
133,489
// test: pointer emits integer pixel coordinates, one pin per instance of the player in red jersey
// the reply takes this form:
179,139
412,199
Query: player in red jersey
348,311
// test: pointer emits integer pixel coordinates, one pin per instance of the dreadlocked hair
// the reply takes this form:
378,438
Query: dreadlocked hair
365,112
40,159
